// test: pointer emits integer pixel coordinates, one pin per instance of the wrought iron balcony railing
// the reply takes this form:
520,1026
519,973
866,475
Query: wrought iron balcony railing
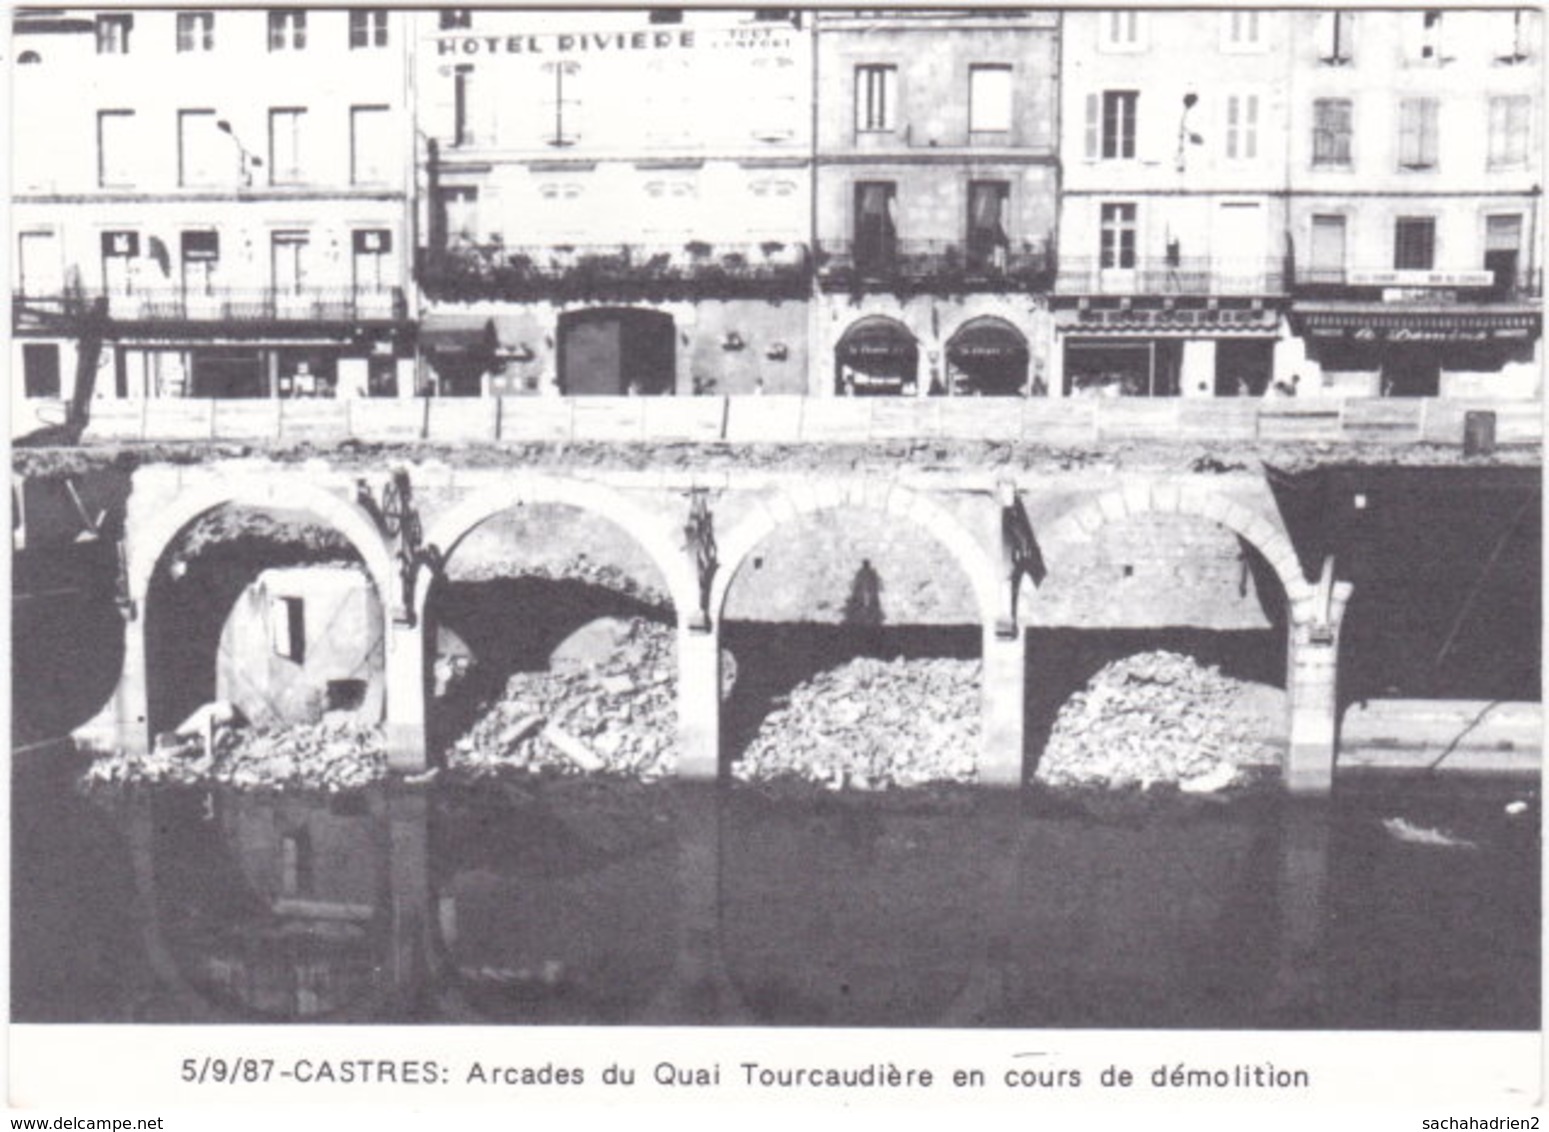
1474,284
933,265
1193,275
223,304
772,269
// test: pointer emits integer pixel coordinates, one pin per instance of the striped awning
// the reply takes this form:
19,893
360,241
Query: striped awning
1384,323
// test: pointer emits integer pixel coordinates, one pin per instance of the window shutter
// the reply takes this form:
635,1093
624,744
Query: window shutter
1409,133
1250,141
1094,117
1232,125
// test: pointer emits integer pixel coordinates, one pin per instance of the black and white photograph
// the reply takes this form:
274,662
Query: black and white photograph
866,552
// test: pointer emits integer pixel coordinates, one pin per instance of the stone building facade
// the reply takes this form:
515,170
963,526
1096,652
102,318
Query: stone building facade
615,201
210,204
936,201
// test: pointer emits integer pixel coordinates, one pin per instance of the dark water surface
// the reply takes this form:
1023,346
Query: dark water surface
611,902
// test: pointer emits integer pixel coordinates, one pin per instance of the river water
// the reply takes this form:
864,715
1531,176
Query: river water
586,902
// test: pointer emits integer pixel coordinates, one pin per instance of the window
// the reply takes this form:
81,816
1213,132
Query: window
460,208
288,628
989,99
563,107
1331,132
40,270
115,148
113,34
875,235
1120,31
876,96
40,369
370,145
1502,250
1327,256
203,154
1417,133
1240,31
195,31
1510,124
372,249
456,19
1513,37
1110,124
987,239
1414,243
285,145
119,250
1117,236
462,104
1242,127
287,30
288,259
1336,38
1423,31
201,254
368,28
772,109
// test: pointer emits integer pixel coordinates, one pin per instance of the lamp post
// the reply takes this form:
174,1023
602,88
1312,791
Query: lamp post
246,157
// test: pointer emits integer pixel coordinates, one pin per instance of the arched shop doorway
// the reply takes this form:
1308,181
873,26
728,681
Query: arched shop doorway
1123,367
612,352
877,357
987,357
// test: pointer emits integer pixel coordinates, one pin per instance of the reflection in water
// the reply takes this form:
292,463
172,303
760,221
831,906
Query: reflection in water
588,902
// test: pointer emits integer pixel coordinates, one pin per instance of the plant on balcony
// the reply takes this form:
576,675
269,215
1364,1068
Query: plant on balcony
697,248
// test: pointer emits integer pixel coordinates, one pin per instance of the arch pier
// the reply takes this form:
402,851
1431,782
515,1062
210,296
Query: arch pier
1006,534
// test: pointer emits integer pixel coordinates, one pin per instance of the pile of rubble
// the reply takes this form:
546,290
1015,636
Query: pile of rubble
871,724
607,703
332,755
1159,717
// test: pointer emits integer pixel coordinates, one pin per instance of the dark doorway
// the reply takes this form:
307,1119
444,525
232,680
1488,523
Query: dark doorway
1243,369
40,369
229,373
611,352
1411,371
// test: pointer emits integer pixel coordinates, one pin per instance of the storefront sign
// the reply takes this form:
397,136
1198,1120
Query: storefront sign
1180,319
1421,278
1366,332
610,42
1418,295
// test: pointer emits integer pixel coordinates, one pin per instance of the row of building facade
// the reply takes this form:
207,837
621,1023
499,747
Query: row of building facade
251,203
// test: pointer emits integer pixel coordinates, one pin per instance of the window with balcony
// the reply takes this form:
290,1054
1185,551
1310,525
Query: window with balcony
1331,132
876,97
1336,38
462,104
119,250
773,109
988,243
1510,129
288,260
113,33
287,30
455,19
1417,133
1326,254
1242,31
201,254
1110,124
368,28
876,237
205,157
1121,31
1116,236
1242,127
287,125
989,99
115,148
1503,252
372,249
459,206
370,145
195,32
1414,243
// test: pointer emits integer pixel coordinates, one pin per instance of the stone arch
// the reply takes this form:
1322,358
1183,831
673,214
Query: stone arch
278,492
873,495
648,531
1265,535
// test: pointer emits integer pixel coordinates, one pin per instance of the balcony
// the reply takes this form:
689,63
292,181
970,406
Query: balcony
661,272
932,266
1474,285
1199,276
218,306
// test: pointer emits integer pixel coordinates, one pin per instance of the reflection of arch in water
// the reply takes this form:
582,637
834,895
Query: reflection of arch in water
987,356
876,356
610,351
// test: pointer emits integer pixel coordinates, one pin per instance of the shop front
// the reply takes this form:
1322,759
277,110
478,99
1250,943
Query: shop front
987,357
1166,352
877,357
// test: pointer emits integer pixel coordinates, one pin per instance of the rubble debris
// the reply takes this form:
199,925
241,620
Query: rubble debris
1401,829
333,755
1160,717
871,724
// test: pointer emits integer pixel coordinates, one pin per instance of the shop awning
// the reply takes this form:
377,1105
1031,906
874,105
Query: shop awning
987,341
458,334
1381,322
876,345
1163,322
